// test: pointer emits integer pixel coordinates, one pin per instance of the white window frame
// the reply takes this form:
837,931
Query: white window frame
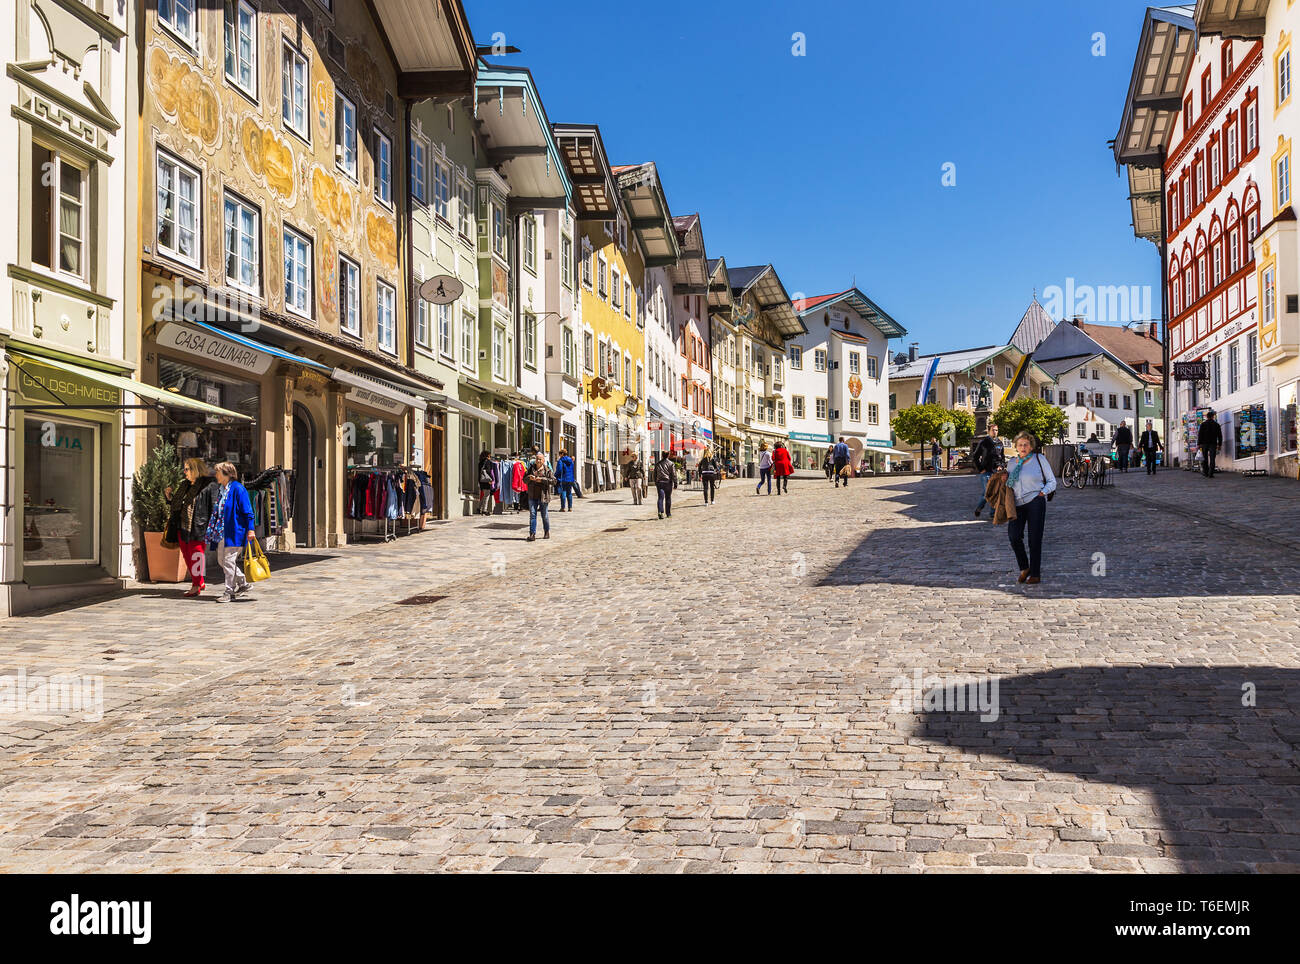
56,199
290,58
422,325
855,410
465,209
304,243
855,363
349,296
419,170
385,316
383,168
529,232
820,409
819,360
498,351
178,167
345,154
468,339
566,261
796,360
873,413
530,341
441,189
234,36
241,208
446,332
168,17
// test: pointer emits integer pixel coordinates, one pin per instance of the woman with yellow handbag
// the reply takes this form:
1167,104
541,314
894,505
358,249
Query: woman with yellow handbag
231,529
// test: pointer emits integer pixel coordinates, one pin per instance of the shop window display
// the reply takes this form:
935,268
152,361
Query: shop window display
374,440
197,435
60,486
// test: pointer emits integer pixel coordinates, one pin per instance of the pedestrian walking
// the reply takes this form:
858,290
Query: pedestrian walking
934,454
565,477
987,458
782,468
828,466
1149,443
1123,444
1209,438
764,468
230,528
840,455
540,480
1031,479
636,479
191,508
665,474
708,469
487,483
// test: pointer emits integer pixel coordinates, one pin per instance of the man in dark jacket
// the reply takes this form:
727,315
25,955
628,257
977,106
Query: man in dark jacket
1209,438
665,474
1149,443
987,458
1123,444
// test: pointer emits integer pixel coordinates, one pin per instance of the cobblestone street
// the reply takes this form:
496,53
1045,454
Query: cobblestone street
714,692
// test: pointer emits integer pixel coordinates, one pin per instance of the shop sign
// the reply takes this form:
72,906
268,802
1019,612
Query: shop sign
365,396
809,437
38,382
1191,371
174,337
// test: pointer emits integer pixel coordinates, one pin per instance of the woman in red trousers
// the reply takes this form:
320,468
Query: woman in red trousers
782,467
191,507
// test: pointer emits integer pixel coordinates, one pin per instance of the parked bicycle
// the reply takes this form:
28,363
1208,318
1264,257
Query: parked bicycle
1086,468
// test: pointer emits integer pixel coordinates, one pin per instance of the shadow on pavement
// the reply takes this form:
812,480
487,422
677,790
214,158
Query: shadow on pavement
1223,774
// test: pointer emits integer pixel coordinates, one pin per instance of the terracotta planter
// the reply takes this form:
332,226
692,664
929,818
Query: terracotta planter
165,565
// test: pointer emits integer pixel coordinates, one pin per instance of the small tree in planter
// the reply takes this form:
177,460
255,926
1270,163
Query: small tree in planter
150,511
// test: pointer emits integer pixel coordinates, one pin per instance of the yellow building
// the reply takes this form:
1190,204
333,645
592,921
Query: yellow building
611,272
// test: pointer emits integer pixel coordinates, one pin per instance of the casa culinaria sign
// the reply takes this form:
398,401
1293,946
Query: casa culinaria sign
1191,371
191,341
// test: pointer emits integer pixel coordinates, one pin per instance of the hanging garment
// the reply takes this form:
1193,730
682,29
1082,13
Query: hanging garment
426,491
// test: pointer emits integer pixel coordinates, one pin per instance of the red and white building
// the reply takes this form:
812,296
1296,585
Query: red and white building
1213,214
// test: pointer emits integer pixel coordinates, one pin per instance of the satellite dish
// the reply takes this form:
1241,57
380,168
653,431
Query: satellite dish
442,289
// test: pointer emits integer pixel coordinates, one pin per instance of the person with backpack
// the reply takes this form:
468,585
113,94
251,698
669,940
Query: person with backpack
1123,444
1031,480
565,476
987,458
708,469
665,475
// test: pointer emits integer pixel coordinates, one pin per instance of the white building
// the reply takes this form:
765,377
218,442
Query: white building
70,331
1094,388
562,327
838,378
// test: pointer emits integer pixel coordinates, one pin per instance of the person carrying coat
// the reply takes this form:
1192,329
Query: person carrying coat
1209,439
1031,479
1149,443
565,476
782,468
191,507
1123,444
665,474
230,528
708,469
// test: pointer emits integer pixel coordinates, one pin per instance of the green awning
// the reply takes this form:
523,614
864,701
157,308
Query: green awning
49,388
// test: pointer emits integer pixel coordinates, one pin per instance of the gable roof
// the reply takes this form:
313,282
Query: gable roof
1131,346
860,303
1071,341
769,295
1035,325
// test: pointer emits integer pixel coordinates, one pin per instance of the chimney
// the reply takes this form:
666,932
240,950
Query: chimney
911,351
1077,320
1153,331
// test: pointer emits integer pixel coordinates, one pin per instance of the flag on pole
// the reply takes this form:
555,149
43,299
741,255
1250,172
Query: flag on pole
930,369
1018,379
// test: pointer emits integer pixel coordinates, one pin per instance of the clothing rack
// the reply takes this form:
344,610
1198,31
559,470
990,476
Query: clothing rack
390,523
271,492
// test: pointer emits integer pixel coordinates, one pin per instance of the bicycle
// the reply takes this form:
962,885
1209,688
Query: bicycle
1101,471
1074,471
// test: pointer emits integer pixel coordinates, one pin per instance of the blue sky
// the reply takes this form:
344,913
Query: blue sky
829,165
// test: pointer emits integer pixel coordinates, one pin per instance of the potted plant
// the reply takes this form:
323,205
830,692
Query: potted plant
149,512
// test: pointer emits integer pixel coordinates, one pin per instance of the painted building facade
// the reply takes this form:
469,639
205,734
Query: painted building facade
838,379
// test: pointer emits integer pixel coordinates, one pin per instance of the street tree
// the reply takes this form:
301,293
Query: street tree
1042,418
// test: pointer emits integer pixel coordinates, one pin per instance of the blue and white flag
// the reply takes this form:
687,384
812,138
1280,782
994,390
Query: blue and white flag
930,369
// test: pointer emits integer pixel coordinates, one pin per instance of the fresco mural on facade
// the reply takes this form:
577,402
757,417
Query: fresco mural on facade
185,96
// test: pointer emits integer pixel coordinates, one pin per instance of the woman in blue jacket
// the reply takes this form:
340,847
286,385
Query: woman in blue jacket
230,529
565,477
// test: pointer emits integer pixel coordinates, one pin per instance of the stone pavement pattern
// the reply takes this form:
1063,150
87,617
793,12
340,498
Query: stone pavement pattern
712,692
